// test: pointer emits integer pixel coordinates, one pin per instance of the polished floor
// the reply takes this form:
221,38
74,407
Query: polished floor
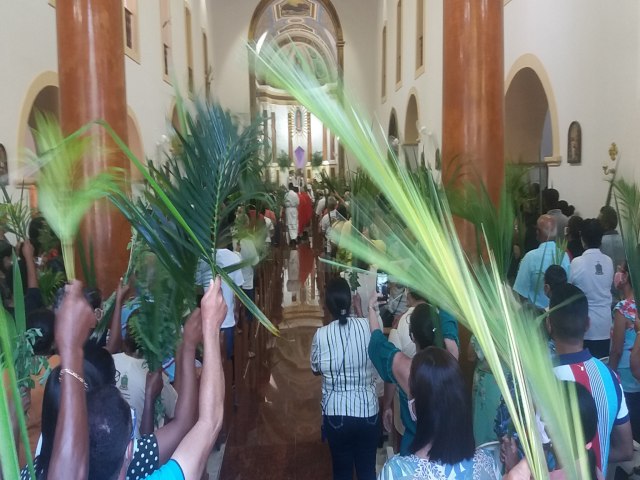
274,427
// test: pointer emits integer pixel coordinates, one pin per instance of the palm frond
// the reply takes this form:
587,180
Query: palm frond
627,201
181,214
63,199
49,283
17,216
439,269
156,325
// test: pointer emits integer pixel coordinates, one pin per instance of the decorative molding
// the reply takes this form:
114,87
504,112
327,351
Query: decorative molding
528,60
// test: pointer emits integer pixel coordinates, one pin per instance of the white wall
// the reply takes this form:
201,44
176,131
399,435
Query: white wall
590,51
33,23
231,22
28,49
427,87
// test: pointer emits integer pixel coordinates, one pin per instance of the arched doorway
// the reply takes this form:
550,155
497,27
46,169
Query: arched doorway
411,146
311,29
393,134
531,121
42,96
135,144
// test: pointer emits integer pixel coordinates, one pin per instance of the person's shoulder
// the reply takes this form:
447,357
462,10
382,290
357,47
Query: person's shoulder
225,257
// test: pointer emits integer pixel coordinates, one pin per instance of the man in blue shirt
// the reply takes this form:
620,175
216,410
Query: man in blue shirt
529,282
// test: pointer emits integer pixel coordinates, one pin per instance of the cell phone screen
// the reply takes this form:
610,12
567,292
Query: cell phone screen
382,285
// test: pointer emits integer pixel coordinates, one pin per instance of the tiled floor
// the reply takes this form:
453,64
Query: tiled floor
274,430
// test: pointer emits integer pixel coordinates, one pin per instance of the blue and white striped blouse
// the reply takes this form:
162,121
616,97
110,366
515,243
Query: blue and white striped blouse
339,354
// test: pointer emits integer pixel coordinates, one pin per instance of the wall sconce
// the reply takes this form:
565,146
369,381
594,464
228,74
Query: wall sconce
613,155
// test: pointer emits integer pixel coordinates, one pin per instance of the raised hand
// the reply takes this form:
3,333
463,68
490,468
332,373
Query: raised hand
192,334
74,320
27,250
214,308
153,385
123,289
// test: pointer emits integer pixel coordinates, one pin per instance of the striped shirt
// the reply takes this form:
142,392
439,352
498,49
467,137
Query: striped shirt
339,354
605,388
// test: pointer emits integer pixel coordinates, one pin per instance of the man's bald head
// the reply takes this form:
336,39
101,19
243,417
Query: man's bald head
547,228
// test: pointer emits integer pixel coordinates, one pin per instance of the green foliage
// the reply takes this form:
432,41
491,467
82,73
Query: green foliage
15,216
317,159
87,264
428,257
49,283
63,200
627,201
18,363
180,215
156,324
284,160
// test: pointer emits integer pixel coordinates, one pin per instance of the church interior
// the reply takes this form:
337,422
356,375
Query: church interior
424,215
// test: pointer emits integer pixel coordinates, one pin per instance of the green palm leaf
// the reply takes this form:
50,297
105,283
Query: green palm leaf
63,199
17,215
627,201
437,266
179,216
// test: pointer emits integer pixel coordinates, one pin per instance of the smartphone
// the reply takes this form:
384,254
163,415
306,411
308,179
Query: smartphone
382,286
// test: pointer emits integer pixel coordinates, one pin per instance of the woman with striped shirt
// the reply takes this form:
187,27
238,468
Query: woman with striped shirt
349,400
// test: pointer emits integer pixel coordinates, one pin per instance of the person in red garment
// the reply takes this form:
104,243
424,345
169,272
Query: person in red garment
305,212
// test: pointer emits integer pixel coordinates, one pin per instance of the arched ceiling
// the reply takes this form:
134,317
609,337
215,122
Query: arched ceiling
305,28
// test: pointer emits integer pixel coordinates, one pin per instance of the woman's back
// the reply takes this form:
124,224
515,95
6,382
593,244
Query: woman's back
339,354
481,467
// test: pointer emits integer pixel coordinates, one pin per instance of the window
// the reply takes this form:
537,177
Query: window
420,35
131,42
187,30
399,43
207,73
384,62
165,25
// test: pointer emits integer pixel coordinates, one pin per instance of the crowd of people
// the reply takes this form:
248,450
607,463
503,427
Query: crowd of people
592,330
385,366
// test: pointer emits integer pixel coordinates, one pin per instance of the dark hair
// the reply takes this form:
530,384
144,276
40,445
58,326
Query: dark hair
290,186
566,209
109,432
6,249
570,321
102,360
574,225
93,296
442,407
43,320
342,210
422,325
550,198
588,418
50,409
416,295
555,276
338,299
591,233
608,218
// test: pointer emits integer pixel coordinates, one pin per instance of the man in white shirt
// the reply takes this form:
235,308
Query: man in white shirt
291,203
224,258
249,254
592,273
322,201
327,221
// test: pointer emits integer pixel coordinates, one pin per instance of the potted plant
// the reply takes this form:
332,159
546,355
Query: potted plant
316,161
284,162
